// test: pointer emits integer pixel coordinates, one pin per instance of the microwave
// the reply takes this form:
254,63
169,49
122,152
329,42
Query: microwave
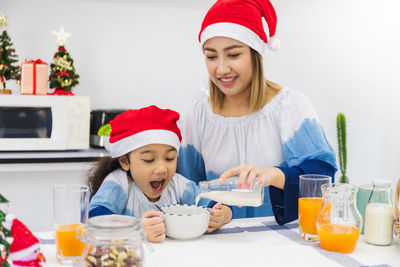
44,122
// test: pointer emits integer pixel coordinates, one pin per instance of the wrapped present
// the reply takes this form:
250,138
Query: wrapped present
34,77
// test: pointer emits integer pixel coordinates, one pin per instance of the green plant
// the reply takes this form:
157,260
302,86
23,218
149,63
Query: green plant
341,136
104,130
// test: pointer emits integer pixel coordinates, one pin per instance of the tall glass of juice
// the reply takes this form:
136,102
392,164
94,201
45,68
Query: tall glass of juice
70,204
310,203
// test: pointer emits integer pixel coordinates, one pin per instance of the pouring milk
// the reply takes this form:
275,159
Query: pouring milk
228,193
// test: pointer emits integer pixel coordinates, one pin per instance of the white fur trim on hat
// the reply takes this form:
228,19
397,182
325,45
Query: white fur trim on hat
234,31
144,138
23,252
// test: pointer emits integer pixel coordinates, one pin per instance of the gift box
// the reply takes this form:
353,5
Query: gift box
34,77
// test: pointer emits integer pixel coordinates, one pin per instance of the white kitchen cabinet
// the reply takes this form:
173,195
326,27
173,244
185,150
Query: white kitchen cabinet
28,186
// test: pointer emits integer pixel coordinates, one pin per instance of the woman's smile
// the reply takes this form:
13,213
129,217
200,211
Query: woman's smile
227,81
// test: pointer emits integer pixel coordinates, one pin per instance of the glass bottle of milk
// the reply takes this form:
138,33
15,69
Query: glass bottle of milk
379,214
228,193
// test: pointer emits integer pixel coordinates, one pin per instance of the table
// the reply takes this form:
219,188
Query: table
253,242
25,157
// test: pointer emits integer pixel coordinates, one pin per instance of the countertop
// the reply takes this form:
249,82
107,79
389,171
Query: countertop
37,161
88,155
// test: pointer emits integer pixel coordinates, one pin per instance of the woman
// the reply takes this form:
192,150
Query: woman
250,126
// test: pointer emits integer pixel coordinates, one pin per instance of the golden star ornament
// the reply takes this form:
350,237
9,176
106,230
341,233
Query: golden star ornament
3,21
62,35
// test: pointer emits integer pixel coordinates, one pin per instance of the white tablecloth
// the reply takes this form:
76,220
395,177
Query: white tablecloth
254,242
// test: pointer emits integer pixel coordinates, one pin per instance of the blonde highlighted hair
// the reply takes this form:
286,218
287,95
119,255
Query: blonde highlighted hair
260,88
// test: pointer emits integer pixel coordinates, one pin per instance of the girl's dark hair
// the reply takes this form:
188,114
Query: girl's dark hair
99,172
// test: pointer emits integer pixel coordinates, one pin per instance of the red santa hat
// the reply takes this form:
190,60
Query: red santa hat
150,125
241,20
24,242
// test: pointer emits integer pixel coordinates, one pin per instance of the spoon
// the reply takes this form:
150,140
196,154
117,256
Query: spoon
158,207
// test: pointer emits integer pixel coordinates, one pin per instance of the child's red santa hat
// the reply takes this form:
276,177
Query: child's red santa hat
24,242
241,20
150,125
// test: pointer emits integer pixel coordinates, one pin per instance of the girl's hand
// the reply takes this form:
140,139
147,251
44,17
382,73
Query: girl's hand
219,215
153,225
249,172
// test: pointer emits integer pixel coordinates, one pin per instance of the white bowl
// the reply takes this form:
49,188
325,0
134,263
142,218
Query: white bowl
185,222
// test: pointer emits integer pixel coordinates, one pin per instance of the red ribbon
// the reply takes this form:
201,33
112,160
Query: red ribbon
34,62
61,73
37,61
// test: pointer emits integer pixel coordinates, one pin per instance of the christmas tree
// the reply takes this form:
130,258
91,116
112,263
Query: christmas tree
4,232
63,76
8,71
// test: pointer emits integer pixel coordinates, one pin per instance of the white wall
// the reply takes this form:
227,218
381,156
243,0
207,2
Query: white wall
130,53
345,56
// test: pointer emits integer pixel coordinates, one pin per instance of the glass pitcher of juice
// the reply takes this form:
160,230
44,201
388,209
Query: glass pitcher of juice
339,222
230,194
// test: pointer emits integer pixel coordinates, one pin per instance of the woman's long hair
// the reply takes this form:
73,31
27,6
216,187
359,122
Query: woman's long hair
260,87
99,172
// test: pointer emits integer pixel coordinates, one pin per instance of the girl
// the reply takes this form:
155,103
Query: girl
250,126
140,177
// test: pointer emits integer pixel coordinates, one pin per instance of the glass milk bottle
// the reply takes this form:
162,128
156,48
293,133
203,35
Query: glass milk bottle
339,222
228,193
379,214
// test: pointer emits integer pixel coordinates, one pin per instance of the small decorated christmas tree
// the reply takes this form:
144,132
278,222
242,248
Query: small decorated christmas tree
8,71
63,76
4,232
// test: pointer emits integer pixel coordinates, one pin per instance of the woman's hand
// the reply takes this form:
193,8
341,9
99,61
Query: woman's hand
153,225
266,176
219,215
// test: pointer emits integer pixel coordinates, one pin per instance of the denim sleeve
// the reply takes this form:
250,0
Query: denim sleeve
285,202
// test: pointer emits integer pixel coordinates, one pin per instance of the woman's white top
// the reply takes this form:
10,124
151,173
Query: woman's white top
284,133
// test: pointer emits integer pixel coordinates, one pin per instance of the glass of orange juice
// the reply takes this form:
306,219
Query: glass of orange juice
70,203
310,203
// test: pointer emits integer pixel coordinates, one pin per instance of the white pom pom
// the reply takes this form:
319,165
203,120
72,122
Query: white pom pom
10,218
274,44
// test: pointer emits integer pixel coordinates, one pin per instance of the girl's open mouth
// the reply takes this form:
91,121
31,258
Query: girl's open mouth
157,186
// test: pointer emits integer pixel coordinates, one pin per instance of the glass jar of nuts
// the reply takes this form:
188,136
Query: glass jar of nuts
114,241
